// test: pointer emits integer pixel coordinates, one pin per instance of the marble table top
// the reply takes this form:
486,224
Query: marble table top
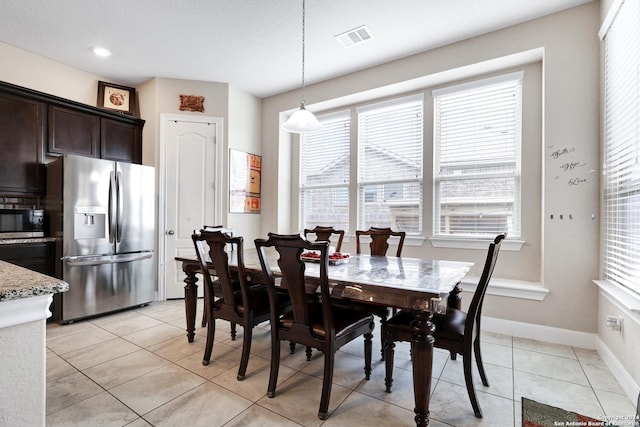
17,283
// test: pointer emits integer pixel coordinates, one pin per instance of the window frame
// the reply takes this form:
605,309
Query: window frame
339,188
620,227
362,183
468,240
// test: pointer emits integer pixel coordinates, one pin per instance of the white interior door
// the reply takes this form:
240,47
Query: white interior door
191,172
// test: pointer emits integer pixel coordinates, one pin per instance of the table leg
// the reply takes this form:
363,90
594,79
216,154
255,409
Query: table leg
422,355
190,298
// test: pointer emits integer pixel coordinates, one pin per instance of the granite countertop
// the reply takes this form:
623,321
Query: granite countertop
17,283
27,240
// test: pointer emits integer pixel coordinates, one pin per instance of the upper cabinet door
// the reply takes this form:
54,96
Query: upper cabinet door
121,141
21,145
73,132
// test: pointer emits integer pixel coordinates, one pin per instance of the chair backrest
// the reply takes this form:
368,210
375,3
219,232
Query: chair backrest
292,268
324,234
379,240
475,307
213,243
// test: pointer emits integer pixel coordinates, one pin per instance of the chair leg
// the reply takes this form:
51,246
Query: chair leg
389,350
468,380
368,349
476,350
275,365
204,314
308,352
246,350
327,379
211,333
233,331
292,347
383,322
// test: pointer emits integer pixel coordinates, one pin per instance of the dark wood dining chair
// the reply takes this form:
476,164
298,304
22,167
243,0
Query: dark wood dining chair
380,240
239,302
456,331
324,234
313,322
216,285
378,247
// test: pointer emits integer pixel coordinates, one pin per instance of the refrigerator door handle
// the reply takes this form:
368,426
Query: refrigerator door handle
120,206
112,202
77,261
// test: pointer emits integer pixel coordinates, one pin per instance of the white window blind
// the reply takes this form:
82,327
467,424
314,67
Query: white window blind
477,146
390,141
324,174
621,199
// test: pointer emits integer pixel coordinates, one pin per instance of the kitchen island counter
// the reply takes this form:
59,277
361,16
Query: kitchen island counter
17,283
25,296
27,240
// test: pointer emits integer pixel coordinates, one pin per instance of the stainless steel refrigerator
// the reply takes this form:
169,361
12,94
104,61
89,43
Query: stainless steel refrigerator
103,214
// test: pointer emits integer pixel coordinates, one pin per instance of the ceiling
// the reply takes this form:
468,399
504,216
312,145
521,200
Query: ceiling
255,45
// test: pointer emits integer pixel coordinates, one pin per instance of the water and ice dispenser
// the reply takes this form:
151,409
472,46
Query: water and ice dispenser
89,222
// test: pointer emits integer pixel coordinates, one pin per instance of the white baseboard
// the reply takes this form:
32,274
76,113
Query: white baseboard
540,332
567,337
630,387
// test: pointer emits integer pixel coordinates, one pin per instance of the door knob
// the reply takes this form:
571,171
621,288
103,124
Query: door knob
170,232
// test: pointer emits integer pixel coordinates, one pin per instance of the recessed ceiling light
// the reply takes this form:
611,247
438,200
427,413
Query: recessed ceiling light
353,37
101,51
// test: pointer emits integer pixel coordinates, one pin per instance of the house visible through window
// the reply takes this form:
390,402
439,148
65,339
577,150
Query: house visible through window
477,145
390,173
324,174
476,173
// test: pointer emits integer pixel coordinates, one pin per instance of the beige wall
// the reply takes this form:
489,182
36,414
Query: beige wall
35,72
244,135
568,253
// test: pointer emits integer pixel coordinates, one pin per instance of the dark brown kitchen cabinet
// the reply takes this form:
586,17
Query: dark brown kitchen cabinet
38,256
22,130
33,124
73,132
120,141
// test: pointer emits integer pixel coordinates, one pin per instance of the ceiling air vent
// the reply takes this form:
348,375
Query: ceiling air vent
354,37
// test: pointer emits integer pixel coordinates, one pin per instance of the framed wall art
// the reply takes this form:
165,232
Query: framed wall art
245,170
117,98
192,103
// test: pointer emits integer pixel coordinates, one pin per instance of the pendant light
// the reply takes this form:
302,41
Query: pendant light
302,120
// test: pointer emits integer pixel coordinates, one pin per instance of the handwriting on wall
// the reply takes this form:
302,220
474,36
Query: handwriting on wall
570,168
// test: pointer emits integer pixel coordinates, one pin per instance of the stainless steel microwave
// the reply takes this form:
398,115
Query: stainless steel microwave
21,223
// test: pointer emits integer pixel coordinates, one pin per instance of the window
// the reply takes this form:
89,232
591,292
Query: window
324,174
477,144
390,165
621,203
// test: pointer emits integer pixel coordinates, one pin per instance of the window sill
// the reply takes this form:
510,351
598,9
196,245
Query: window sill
409,240
508,288
627,298
462,243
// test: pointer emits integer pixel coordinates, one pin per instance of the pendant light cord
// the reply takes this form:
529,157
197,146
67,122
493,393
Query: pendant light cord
303,33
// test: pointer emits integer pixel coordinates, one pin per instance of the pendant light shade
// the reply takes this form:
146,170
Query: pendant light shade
302,120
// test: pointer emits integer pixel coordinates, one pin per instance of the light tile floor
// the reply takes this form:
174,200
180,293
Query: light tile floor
136,368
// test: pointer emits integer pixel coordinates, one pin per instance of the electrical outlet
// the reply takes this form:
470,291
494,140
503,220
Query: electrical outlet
614,323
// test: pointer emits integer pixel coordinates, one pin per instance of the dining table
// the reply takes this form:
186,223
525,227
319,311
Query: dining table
417,284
